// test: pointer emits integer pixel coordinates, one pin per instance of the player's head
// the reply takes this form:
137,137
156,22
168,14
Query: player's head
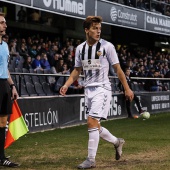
3,25
90,20
92,27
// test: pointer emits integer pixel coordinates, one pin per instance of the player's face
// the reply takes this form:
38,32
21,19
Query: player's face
3,26
93,33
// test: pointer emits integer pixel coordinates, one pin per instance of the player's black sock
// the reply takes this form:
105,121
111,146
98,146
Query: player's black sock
2,142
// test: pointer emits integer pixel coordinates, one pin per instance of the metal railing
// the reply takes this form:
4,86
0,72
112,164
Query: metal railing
66,75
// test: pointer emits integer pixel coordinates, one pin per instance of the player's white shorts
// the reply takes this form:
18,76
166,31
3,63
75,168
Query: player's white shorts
97,101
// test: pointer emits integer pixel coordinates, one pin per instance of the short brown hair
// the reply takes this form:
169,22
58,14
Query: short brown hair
91,19
2,14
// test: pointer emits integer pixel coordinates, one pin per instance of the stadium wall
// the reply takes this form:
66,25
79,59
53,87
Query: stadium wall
45,113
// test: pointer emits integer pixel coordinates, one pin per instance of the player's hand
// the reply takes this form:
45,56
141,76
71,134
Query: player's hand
129,94
63,90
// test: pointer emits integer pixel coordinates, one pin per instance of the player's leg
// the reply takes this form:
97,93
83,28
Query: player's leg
93,142
117,142
104,133
93,127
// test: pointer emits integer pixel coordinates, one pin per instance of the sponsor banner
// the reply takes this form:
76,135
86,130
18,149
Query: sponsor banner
39,113
48,113
55,112
153,102
157,23
120,15
79,8
25,2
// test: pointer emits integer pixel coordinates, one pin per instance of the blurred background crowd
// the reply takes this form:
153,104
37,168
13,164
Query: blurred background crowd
38,55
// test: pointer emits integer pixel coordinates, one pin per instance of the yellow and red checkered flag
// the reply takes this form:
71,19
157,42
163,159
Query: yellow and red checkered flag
17,126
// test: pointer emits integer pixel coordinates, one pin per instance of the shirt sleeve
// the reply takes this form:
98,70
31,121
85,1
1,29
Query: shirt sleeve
111,54
78,62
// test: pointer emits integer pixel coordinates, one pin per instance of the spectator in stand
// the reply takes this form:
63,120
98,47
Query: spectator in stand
55,59
29,43
59,66
36,64
131,3
153,84
54,50
151,72
35,16
38,49
21,40
160,6
44,62
27,63
13,52
129,64
33,51
135,62
135,73
12,48
70,62
64,52
151,64
57,69
23,51
128,102
166,69
121,2
69,46
43,48
141,73
167,10
167,75
21,15
36,40
73,52
141,5
66,70
122,61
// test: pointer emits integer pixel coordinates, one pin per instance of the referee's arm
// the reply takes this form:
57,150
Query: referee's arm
13,88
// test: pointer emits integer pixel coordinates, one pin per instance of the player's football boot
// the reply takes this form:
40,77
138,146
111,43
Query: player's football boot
87,164
118,148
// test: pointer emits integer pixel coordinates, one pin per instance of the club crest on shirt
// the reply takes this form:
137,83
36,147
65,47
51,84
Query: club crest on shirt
99,53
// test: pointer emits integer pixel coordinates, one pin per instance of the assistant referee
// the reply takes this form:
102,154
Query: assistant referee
8,92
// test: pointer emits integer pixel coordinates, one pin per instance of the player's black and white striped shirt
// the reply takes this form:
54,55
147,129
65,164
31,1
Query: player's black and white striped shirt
95,61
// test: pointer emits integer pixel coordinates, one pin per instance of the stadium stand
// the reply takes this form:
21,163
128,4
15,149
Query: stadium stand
47,89
24,92
31,90
39,89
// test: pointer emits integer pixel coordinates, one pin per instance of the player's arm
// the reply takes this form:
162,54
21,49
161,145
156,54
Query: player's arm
73,76
128,92
13,88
